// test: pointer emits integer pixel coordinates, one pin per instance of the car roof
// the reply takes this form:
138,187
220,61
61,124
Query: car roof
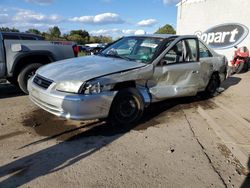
155,35
165,36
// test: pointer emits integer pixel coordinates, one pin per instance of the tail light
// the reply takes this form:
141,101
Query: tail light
75,50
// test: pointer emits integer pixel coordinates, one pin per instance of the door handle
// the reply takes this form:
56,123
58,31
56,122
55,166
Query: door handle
195,72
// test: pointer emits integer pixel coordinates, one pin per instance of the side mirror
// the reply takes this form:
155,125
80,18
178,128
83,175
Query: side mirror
235,47
162,62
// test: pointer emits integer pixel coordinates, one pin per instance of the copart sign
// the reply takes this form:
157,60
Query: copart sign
224,36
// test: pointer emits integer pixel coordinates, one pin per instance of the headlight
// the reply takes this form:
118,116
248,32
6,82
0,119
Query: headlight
95,88
92,88
69,86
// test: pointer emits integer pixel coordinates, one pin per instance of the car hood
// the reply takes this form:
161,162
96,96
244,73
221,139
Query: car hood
85,68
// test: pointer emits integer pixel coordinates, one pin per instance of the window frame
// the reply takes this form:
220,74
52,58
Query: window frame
210,53
184,41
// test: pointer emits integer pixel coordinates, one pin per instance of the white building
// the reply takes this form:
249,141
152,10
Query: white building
221,23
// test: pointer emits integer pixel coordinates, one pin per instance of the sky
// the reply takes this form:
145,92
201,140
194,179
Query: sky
99,17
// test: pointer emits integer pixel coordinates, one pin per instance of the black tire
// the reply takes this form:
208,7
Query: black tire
25,74
127,108
245,68
241,68
212,86
13,81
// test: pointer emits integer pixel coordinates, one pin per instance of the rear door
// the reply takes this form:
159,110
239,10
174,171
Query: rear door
207,64
177,74
2,58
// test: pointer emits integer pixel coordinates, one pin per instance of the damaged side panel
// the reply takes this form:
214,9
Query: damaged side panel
207,69
138,76
175,80
209,66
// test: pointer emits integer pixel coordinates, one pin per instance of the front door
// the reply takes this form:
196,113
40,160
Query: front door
177,74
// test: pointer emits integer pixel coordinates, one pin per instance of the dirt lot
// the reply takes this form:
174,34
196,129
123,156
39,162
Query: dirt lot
187,142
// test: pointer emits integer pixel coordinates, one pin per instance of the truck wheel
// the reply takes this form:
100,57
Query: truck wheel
127,108
213,85
25,74
13,81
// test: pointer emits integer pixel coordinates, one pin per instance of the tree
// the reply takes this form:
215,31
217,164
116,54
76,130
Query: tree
80,32
100,39
79,36
105,39
54,32
34,31
166,29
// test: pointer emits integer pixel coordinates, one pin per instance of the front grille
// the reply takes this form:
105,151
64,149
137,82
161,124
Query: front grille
42,82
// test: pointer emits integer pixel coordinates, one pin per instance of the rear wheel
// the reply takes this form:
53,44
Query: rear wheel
240,68
25,74
127,108
213,85
245,68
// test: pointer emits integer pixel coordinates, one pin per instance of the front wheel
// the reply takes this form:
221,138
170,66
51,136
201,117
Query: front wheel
13,81
127,108
25,74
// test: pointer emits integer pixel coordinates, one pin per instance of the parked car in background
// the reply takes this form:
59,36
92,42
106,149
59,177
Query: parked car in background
91,49
21,54
95,50
127,76
82,48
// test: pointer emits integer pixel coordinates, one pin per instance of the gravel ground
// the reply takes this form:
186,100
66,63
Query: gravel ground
173,146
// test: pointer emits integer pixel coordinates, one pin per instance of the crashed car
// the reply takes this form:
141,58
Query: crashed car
126,77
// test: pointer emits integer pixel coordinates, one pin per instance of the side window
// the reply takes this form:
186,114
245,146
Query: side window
204,52
175,54
183,51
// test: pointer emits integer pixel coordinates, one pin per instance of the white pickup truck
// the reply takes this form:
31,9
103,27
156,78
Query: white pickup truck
21,54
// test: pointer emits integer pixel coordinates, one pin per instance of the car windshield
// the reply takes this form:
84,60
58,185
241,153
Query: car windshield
140,49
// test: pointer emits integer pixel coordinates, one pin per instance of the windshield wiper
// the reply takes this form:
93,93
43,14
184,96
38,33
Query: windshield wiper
116,56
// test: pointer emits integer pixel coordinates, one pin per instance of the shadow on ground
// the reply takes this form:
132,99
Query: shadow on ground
79,143
230,81
7,90
76,142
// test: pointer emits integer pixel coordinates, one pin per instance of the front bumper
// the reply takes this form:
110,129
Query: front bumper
71,106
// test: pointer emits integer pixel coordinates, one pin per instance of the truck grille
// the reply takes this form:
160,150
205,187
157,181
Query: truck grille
42,82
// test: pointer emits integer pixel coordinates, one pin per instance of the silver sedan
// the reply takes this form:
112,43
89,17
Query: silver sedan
127,76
